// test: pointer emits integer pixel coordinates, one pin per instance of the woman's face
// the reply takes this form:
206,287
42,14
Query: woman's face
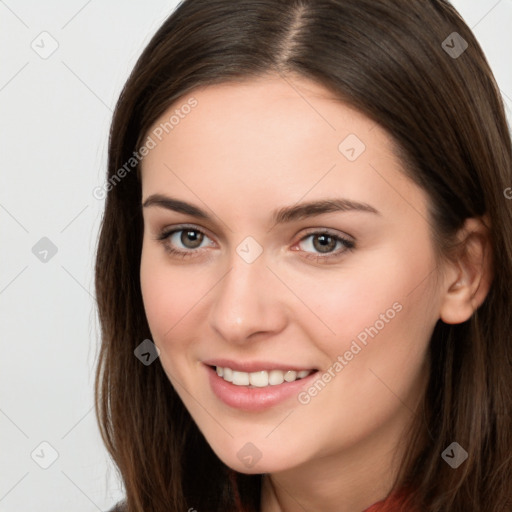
302,250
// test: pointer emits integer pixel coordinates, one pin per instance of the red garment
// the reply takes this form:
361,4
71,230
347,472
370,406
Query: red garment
387,505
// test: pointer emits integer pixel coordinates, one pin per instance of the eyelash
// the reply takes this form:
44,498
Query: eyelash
349,245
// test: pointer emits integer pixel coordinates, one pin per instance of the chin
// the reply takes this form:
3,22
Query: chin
256,458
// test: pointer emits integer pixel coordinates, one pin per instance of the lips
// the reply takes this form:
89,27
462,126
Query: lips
256,386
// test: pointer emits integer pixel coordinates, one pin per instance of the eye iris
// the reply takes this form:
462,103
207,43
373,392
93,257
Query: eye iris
326,243
191,239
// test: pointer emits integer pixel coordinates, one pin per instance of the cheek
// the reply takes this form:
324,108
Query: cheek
375,363
169,294
382,302
347,300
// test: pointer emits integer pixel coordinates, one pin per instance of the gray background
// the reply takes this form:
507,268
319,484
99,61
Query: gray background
55,112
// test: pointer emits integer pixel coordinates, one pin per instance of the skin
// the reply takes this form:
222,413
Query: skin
247,149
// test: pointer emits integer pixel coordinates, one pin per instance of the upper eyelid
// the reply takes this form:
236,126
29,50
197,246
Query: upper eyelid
329,231
206,231
167,232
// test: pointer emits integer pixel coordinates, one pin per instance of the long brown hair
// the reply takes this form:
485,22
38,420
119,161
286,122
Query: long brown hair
394,61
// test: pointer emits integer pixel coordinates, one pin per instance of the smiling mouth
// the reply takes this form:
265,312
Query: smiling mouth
260,379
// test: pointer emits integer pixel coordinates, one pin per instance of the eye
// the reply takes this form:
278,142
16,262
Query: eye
184,241
187,241
327,245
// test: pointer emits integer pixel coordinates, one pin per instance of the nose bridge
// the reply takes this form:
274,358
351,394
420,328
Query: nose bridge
247,299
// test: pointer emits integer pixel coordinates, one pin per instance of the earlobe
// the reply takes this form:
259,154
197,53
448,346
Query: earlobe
457,305
469,279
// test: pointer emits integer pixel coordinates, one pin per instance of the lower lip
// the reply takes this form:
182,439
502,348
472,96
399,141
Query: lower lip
255,399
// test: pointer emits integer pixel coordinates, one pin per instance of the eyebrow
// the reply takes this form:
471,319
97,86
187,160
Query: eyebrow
281,216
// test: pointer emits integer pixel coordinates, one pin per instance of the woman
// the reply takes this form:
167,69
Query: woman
304,267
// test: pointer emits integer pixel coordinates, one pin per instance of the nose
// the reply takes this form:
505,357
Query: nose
248,303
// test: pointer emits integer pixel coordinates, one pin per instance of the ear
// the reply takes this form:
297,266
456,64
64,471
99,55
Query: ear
468,278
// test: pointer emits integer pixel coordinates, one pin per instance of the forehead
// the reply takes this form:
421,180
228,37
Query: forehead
277,139
244,116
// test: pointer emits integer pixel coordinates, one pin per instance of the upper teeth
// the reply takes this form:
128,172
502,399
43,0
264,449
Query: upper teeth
262,378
